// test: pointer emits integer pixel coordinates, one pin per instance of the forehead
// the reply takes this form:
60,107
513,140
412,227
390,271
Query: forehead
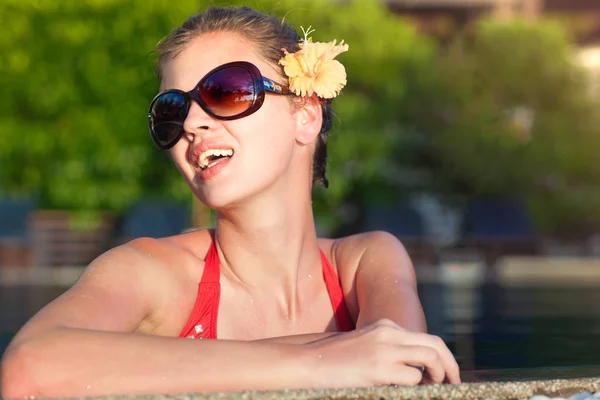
206,52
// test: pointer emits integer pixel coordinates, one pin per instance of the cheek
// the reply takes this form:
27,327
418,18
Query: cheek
267,145
275,136
178,154
272,125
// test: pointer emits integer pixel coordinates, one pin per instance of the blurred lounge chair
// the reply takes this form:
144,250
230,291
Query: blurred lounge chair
406,224
58,241
155,219
14,243
499,227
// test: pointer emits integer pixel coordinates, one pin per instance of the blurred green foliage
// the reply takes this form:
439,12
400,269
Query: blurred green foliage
78,76
506,113
76,80
501,112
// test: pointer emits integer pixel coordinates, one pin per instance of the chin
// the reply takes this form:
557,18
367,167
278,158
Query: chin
229,192
222,198
216,201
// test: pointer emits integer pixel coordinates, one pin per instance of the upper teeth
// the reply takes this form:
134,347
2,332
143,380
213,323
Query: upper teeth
203,161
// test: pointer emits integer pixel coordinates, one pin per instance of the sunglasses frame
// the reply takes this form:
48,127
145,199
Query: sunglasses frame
260,83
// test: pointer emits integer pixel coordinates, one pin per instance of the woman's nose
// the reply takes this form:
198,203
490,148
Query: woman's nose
197,122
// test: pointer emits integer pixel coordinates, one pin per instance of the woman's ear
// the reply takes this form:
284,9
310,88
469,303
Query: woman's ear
309,118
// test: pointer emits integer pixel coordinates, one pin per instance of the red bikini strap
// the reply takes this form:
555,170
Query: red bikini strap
212,267
336,295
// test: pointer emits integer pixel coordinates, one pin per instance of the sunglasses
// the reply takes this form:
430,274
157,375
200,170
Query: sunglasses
230,91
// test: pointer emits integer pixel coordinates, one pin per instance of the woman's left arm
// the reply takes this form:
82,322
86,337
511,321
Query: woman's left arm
377,269
380,286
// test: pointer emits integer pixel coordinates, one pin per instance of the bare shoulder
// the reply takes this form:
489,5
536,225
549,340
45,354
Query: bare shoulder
357,257
134,287
149,258
158,267
348,252
378,279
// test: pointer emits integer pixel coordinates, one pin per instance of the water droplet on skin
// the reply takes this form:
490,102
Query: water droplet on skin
310,276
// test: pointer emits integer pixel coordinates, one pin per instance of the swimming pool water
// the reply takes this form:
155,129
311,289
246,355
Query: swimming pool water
487,327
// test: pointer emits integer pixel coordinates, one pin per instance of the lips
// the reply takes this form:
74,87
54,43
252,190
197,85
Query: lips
210,157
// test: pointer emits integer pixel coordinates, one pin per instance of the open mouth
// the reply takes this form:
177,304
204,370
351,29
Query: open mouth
213,157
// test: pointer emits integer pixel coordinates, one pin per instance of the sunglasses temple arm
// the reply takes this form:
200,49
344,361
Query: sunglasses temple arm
273,87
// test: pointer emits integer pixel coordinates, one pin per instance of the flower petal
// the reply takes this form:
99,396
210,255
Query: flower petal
330,80
312,69
302,85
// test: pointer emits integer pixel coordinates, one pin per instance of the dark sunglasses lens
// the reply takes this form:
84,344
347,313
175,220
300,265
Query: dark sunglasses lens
167,116
228,92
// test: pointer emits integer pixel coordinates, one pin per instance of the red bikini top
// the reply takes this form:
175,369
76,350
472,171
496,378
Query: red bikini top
202,323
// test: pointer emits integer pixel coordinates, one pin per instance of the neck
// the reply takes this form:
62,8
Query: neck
270,240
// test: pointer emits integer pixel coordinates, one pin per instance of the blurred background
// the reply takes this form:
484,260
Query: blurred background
470,129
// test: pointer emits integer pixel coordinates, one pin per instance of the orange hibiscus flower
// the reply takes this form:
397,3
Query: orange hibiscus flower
312,69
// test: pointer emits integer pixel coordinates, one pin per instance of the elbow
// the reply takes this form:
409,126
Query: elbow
18,372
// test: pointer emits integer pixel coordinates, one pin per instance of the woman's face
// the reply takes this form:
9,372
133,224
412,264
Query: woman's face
263,144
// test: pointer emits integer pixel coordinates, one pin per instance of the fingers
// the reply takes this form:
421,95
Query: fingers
405,375
388,329
417,357
435,343
447,359
396,356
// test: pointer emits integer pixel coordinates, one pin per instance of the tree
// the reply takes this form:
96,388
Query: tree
78,77
507,113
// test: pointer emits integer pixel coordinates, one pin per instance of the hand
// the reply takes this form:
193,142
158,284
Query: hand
381,354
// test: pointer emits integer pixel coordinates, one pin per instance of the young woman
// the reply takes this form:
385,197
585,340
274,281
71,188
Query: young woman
245,122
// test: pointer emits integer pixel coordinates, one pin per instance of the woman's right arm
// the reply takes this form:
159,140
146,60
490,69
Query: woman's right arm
83,343
68,362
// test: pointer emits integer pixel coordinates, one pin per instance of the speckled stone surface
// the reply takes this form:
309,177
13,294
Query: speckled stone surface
557,388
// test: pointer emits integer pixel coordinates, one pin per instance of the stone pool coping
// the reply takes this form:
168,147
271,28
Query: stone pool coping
563,388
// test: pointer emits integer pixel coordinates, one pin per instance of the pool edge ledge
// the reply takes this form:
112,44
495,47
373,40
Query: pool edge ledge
481,390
